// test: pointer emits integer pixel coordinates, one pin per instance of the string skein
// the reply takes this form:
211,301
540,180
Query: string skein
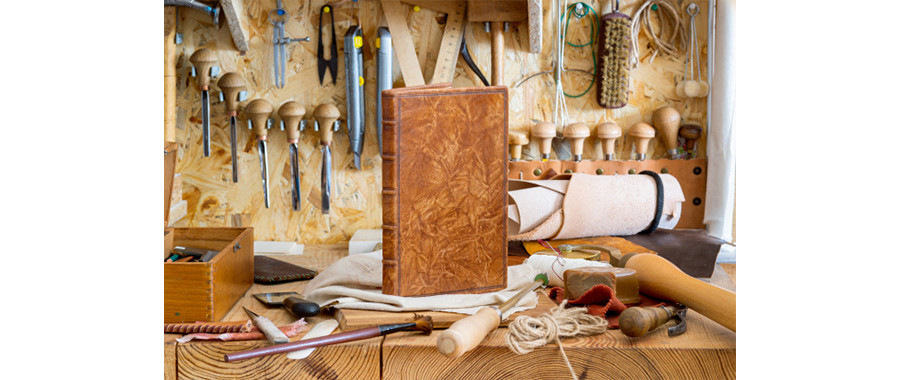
525,333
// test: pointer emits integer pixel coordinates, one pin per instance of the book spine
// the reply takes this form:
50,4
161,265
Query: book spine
390,214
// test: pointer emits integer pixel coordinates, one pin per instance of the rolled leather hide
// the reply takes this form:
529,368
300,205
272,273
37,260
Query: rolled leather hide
580,205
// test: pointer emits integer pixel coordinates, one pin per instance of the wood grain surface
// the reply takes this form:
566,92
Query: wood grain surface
705,351
212,200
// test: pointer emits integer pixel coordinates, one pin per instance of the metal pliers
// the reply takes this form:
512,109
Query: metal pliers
332,63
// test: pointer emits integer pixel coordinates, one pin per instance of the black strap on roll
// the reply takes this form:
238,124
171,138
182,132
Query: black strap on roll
659,202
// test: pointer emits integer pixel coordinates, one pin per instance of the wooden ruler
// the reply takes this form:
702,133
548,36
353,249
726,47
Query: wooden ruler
395,16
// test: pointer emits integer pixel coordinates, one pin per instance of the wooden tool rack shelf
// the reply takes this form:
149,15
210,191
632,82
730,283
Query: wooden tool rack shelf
705,351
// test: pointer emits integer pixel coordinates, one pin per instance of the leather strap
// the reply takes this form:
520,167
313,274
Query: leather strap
659,202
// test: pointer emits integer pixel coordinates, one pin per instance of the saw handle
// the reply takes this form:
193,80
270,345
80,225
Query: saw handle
467,333
300,307
659,278
637,321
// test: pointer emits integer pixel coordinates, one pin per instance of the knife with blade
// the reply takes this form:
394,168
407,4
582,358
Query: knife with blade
326,124
203,61
356,114
233,88
258,112
291,114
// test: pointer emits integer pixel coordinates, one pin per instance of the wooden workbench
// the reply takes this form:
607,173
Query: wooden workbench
705,350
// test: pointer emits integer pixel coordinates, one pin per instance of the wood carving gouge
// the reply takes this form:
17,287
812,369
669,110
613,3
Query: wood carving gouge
356,115
326,116
234,90
291,114
203,61
279,43
327,64
258,112
272,333
385,74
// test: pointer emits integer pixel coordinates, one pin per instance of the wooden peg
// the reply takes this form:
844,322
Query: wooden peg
641,133
203,60
666,120
326,114
576,133
258,111
607,133
690,133
291,113
544,132
231,85
516,140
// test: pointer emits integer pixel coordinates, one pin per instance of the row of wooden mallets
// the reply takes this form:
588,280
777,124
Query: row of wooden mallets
665,119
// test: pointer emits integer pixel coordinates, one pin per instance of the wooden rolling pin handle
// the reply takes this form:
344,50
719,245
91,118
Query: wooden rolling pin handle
467,333
637,321
659,278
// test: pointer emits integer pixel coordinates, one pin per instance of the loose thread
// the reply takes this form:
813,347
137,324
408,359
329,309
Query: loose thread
526,333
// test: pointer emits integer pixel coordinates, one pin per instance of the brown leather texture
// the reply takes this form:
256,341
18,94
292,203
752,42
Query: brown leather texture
444,190
268,270
692,251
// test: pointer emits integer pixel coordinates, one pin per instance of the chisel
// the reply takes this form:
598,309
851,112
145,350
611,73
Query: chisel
326,115
203,61
232,85
356,117
258,112
291,114
385,74
465,334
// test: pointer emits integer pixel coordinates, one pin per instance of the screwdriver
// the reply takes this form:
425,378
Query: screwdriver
231,85
203,60
258,112
291,114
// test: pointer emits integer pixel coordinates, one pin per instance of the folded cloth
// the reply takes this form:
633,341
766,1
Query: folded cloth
354,282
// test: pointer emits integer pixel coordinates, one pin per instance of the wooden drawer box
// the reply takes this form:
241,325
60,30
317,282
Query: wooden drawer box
206,291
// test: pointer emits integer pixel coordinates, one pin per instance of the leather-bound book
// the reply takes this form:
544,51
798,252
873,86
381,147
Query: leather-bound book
444,190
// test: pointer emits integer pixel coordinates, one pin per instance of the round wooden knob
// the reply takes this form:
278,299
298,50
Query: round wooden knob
291,113
667,119
258,111
326,114
231,85
576,133
516,140
690,133
641,133
203,60
544,132
607,133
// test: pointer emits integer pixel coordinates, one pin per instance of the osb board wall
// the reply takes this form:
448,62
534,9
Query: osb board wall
356,194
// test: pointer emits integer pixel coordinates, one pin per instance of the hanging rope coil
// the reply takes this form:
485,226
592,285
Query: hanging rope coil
671,38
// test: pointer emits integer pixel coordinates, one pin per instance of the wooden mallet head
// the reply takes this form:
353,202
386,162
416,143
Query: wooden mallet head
291,113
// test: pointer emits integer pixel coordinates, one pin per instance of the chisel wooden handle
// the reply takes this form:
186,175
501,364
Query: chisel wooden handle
659,278
291,113
258,111
637,321
203,60
231,85
467,333
326,114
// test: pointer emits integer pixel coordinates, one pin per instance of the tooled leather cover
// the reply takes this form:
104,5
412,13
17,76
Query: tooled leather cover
444,190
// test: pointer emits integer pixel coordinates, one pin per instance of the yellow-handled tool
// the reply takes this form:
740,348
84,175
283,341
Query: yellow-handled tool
465,334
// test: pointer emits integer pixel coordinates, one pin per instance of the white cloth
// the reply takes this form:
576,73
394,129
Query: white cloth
354,282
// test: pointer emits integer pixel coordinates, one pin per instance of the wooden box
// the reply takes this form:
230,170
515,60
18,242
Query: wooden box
206,291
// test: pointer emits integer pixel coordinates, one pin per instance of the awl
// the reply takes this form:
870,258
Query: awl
326,124
385,74
233,87
356,115
258,112
272,333
203,61
291,114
